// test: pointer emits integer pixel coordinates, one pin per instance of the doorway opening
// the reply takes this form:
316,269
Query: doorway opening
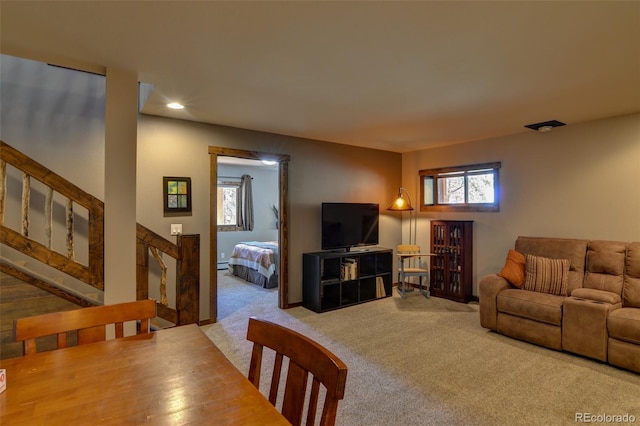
282,221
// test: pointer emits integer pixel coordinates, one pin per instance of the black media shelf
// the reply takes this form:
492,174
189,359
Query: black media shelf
333,280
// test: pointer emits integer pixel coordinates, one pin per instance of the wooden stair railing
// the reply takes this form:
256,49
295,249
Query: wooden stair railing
93,273
186,251
187,254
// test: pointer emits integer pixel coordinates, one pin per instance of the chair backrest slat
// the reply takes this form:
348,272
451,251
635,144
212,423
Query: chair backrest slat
313,401
62,341
89,322
408,248
275,378
416,261
306,357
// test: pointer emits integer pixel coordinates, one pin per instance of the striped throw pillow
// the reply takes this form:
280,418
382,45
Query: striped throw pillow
546,275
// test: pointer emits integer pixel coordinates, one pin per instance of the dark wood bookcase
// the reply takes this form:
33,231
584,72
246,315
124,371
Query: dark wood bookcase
333,280
451,270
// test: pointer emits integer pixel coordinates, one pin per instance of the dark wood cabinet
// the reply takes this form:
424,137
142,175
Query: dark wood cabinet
451,269
332,280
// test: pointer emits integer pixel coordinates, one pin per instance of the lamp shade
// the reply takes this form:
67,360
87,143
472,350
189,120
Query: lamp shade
401,204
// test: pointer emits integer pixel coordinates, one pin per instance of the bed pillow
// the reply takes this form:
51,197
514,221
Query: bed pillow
546,275
513,269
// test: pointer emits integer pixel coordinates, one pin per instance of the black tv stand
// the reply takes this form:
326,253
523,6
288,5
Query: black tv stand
333,280
352,249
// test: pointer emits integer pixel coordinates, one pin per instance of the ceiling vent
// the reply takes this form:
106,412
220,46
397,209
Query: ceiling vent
545,126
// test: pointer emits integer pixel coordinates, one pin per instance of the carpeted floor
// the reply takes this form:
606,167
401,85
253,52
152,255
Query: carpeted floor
425,361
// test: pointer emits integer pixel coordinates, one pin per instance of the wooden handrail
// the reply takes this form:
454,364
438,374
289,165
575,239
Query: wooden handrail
46,176
93,273
147,236
186,252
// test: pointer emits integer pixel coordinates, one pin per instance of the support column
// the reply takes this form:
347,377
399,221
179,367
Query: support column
121,129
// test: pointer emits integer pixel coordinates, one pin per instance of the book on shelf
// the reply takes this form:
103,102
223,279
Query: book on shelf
344,272
349,269
380,292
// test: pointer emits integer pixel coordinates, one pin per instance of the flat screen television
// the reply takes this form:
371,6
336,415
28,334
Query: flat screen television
346,225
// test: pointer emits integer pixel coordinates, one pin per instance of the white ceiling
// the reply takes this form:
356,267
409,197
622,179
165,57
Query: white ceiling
398,76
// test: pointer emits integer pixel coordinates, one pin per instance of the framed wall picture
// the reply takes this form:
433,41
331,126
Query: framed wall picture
177,194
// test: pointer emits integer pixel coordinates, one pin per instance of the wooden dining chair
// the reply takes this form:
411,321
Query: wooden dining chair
306,357
90,323
411,266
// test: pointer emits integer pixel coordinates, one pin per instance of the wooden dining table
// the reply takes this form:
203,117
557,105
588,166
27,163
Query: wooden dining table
173,376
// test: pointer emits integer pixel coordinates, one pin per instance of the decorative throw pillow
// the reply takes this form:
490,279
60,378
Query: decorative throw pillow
546,275
513,269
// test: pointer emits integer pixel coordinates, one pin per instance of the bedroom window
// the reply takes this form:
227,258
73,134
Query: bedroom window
471,188
235,205
228,206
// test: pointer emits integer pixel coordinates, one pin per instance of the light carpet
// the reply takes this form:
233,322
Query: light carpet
425,361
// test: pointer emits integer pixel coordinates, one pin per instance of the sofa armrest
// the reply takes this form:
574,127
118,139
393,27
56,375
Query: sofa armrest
489,287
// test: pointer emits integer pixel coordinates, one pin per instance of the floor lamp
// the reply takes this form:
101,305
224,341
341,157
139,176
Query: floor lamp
402,205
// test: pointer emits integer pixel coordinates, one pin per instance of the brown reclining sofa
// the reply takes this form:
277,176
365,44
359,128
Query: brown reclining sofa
573,295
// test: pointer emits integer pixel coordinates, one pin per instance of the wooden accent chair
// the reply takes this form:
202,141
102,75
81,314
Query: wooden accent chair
411,266
90,323
305,357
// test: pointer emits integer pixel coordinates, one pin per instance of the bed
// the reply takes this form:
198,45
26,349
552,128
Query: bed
256,262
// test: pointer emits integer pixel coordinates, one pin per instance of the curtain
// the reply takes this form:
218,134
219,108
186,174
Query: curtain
246,214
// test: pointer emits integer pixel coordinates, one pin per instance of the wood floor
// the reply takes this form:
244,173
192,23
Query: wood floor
18,300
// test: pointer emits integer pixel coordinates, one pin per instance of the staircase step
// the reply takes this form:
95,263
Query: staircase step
160,323
20,300
70,286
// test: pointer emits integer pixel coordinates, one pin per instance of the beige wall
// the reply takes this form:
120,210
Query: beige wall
318,171
578,181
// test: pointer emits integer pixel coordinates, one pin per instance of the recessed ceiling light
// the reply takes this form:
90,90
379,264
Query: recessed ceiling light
175,105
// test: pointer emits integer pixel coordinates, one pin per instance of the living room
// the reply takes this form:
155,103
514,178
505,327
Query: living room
576,181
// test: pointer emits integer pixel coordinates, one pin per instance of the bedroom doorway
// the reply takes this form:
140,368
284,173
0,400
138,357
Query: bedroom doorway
282,228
